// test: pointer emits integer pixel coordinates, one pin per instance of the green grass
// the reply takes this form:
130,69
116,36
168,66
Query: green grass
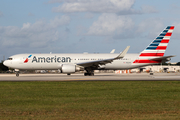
104,100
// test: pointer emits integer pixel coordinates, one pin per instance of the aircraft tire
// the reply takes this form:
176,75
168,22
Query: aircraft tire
88,74
17,74
91,74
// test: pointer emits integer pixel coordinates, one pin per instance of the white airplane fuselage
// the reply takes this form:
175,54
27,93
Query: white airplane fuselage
54,61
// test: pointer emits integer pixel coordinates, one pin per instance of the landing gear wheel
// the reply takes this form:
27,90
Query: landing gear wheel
68,74
88,74
17,74
85,74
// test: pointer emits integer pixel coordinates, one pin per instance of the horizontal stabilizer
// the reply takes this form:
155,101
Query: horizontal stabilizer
162,58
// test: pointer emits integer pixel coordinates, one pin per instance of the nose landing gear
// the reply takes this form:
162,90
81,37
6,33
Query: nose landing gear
17,74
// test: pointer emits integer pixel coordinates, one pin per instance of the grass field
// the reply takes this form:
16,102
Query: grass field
104,100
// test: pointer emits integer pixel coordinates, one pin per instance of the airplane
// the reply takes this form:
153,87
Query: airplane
71,63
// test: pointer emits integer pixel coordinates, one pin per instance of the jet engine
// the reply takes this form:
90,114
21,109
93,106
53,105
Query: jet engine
69,68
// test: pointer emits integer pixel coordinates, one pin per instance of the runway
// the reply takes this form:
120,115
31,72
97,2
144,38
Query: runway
96,77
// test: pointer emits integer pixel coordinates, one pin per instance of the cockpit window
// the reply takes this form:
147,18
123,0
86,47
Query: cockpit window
9,58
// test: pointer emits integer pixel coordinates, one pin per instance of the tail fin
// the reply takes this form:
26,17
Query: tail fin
157,47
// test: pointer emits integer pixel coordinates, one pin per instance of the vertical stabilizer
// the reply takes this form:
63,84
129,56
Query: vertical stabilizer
157,47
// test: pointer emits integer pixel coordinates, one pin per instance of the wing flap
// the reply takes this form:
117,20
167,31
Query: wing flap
95,63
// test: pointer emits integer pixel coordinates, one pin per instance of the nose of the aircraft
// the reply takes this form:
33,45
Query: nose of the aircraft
5,63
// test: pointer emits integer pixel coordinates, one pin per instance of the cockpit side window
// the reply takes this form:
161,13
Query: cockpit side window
10,59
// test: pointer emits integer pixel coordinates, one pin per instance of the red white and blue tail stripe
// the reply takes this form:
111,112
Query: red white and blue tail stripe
157,48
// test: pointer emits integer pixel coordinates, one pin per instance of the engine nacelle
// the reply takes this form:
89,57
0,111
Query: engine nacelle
69,68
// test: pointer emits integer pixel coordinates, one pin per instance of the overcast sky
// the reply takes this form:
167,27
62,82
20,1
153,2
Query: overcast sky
94,26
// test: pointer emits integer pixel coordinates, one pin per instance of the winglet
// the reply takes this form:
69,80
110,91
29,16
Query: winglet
122,54
112,51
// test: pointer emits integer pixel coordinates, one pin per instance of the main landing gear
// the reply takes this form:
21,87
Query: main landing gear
88,74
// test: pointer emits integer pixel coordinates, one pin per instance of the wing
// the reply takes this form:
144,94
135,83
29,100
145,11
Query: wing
105,61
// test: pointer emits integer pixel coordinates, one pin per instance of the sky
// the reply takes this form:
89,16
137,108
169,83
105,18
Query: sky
93,26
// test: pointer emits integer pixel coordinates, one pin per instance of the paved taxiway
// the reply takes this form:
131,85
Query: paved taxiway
98,76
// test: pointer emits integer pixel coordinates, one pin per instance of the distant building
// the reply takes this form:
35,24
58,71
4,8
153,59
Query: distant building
152,68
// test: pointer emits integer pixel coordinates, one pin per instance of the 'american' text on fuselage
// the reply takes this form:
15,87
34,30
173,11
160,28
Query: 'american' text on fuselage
51,59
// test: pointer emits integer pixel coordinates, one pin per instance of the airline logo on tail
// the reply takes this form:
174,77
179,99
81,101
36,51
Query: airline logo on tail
27,59
157,48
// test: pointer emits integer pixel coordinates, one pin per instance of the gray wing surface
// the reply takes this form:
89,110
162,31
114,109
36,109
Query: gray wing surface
105,61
